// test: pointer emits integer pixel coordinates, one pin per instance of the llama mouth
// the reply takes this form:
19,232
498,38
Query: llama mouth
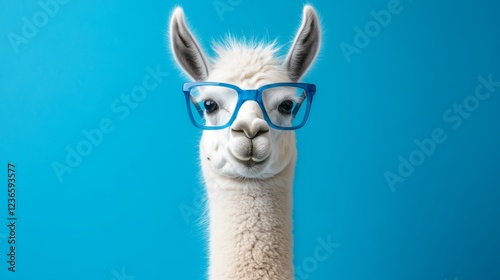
248,155
249,161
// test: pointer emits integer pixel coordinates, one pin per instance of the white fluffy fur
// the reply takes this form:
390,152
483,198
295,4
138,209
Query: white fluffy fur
248,168
250,225
249,207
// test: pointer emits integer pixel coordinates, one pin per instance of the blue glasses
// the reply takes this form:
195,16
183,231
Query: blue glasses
213,105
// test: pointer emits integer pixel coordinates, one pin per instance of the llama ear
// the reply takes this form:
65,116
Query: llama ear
306,45
186,50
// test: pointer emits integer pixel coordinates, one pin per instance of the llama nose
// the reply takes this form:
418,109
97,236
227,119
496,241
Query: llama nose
249,122
250,129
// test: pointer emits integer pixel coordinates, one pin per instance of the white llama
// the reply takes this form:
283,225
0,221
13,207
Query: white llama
248,160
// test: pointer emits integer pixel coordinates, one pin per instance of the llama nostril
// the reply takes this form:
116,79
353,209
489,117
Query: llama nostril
250,129
250,134
259,133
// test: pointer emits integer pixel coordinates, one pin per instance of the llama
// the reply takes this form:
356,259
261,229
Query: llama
248,145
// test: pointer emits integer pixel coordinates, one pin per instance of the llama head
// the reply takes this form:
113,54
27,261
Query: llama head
249,147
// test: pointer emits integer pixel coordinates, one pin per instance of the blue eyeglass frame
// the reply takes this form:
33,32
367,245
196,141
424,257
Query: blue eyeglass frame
246,95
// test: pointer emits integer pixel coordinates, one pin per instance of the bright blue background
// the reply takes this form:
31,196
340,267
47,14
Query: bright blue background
120,208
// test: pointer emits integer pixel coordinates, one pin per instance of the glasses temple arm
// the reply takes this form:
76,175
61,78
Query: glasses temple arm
299,103
198,108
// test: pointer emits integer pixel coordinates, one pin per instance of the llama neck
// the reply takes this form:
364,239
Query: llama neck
250,227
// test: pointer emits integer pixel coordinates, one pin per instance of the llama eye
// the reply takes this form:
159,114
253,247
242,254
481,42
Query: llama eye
210,105
285,107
